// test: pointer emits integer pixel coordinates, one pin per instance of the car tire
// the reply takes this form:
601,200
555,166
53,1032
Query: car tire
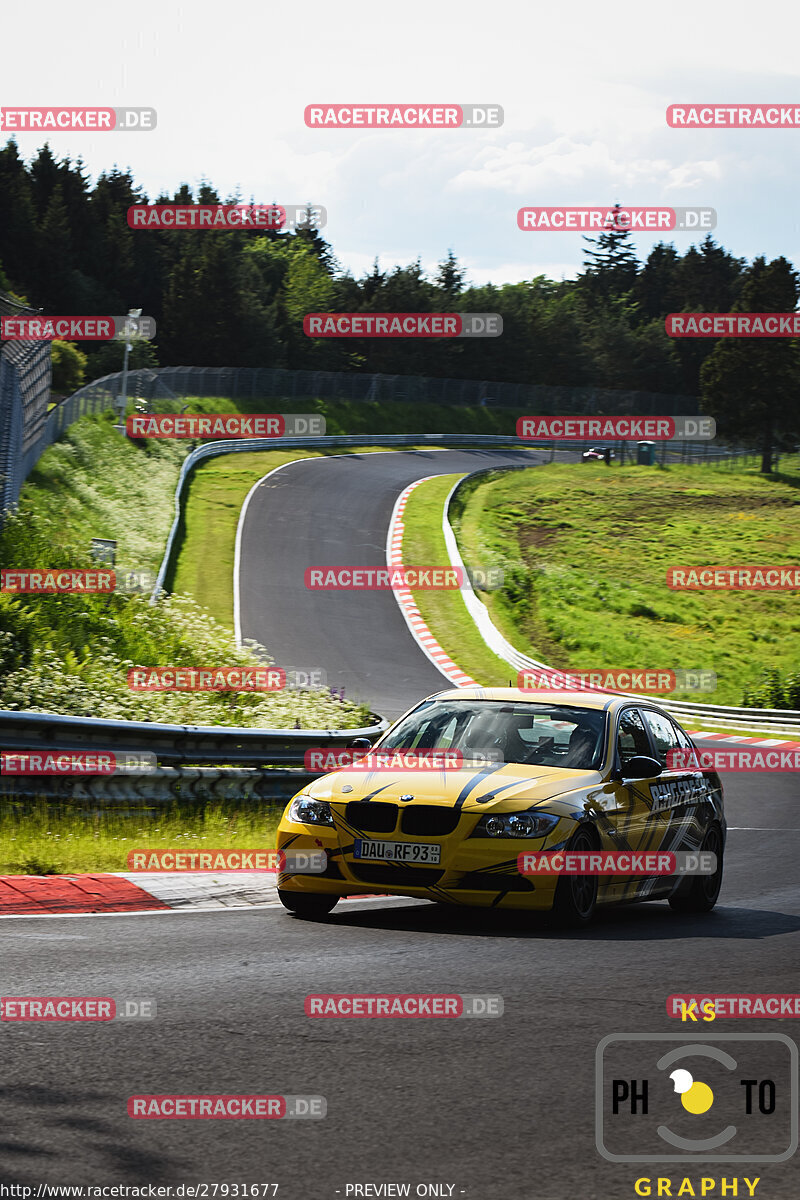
575,899
311,905
702,893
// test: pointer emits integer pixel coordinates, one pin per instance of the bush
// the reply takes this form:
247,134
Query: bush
69,367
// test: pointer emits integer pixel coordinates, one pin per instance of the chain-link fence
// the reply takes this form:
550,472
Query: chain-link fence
253,383
37,430
25,375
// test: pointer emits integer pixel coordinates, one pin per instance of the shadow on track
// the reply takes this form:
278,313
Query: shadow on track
626,923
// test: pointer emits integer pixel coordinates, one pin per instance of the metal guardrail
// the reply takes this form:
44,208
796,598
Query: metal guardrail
183,744
248,764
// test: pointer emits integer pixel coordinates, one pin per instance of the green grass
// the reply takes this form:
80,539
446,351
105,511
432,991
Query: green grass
52,842
70,654
585,554
213,499
444,611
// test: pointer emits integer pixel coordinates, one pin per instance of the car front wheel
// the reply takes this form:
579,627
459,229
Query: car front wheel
310,905
576,895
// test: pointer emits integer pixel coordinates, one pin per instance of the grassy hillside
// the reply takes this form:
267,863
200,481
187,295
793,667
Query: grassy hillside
585,552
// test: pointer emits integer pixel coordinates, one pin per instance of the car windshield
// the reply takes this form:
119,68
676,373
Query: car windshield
551,735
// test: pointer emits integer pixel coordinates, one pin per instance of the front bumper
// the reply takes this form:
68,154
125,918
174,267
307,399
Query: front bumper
479,872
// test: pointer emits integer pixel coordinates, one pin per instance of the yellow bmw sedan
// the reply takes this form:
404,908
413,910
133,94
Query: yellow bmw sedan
465,796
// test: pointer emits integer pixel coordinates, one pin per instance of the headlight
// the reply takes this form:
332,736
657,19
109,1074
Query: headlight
309,811
515,825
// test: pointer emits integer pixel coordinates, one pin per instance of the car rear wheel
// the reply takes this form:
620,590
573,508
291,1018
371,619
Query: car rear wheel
575,900
310,905
702,893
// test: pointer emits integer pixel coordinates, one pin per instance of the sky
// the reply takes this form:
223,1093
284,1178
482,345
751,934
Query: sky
584,88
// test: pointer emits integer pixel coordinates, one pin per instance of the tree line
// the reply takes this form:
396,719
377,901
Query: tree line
239,298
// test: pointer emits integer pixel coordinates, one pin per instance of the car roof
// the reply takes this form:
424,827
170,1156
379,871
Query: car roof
597,701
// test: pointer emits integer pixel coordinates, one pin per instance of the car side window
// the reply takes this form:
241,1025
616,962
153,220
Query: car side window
664,734
632,736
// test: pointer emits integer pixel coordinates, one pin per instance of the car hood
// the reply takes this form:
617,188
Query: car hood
487,787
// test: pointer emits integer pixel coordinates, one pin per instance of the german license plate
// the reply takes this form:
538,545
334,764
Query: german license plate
415,852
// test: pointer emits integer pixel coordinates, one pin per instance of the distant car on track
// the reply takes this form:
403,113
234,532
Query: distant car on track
598,454
579,771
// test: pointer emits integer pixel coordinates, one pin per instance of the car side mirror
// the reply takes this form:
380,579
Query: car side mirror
641,767
359,744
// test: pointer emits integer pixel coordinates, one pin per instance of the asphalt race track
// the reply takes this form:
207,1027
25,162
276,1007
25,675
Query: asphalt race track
336,511
481,1108
500,1107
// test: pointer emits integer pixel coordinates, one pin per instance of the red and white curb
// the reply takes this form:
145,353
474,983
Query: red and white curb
404,597
739,739
138,892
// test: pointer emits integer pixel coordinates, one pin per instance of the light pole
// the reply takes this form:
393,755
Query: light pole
122,399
